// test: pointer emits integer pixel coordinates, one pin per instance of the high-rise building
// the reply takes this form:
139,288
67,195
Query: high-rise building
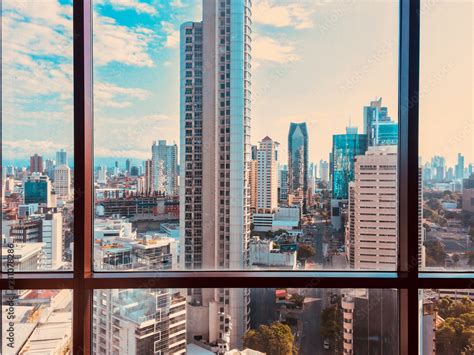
128,166
267,194
283,183
438,166
375,213
62,181
49,168
215,139
164,158
468,194
460,167
102,175
148,185
345,147
37,189
36,164
253,184
378,126
368,321
52,237
324,171
297,158
26,231
61,157
139,321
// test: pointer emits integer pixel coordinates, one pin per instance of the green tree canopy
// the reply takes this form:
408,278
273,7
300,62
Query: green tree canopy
305,252
275,339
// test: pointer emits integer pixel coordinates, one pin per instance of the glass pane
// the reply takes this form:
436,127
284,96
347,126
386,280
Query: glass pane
36,322
246,135
446,110
446,325
37,135
267,321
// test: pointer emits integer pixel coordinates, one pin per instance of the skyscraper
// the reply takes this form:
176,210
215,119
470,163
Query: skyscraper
37,189
267,194
36,164
375,213
378,126
62,181
283,183
460,167
298,158
61,157
438,166
345,147
52,237
148,185
324,171
214,136
164,158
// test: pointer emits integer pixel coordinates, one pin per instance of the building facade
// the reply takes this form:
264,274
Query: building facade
165,167
297,158
267,162
215,138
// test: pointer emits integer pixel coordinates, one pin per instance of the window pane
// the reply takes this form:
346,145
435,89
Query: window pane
446,325
36,322
253,136
207,321
37,135
446,138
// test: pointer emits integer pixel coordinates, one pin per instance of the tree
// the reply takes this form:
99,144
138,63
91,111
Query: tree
305,252
457,331
331,325
455,258
275,339
435,253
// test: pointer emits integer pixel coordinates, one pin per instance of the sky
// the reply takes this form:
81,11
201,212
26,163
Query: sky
314,61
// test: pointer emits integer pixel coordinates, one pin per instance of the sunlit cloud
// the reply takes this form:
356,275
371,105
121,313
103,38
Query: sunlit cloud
136,5
121,44
286,14
109,95
267,49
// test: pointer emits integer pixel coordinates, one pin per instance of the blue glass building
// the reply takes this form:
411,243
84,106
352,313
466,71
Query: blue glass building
297,157
37,190
345,147
378,126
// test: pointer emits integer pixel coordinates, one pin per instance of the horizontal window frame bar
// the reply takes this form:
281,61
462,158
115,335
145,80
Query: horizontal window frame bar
238,279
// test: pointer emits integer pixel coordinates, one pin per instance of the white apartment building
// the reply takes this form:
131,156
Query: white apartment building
62,181
52,238
375,210
267,176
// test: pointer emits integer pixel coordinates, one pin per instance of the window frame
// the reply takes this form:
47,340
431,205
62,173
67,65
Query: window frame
407,279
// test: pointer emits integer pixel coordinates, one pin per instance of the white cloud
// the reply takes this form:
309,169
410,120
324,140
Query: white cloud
109,95
114,138
172,34
122,44
138,6
23,148
288,14
177,3
268,49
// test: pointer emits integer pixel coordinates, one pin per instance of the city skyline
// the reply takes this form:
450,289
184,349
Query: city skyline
132,86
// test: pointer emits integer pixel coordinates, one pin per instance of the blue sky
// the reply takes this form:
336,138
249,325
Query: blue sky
318,61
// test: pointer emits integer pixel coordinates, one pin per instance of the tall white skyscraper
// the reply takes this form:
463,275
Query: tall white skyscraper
267,192
62,181
215,140
61,157
375,212
52,237
164,160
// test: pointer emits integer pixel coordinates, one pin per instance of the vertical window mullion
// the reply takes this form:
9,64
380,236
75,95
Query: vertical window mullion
83,202
408,102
